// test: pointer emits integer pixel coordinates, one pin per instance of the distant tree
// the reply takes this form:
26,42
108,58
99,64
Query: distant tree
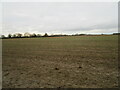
33,35
46,35
19,35
27,34
9,35
2,36
38,35
116,33
77,34
82,34
14,35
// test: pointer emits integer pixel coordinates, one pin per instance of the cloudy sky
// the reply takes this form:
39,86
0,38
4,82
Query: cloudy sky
59,17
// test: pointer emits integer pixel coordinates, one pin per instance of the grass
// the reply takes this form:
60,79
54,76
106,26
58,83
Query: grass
61,62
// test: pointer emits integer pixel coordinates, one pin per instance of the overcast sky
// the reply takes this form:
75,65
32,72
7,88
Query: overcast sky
60,17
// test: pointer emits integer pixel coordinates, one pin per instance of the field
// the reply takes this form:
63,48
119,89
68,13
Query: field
61,62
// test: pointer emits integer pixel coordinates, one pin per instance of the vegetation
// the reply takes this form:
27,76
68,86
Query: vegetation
116,33
60,62
9,35
28,35
46,35
33,35
3,36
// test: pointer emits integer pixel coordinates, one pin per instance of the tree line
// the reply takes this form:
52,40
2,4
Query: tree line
28,35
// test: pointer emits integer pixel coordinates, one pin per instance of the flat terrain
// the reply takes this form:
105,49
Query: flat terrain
60,62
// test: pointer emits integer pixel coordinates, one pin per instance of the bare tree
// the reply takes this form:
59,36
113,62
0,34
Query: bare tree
46,35
2,36
9,35
14,35
27,34
38,35
19,35
33,35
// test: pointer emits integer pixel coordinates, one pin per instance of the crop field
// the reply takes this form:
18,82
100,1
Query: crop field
60,62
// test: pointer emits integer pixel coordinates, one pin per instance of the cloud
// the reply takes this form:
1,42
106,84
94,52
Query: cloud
60,17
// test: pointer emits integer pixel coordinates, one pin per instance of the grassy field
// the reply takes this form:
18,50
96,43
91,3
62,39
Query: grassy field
61,62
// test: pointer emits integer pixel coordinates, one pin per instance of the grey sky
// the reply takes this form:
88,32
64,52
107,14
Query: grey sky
60,17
